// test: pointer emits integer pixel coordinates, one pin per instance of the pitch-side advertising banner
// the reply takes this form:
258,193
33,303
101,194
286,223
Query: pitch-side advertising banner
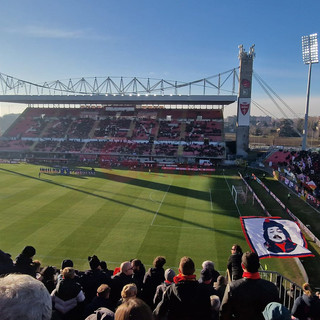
274,237
244,111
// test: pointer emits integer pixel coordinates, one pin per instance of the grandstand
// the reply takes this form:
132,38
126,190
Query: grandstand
117,133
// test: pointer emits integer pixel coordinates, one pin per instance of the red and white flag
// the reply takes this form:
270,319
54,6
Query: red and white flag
274,237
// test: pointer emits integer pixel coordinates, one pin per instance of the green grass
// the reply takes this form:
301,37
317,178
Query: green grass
120,215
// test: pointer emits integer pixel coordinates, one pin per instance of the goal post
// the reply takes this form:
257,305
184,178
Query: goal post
238,193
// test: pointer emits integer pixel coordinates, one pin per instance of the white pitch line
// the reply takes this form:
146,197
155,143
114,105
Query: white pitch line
161,204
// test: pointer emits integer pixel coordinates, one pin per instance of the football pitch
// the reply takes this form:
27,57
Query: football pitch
121,215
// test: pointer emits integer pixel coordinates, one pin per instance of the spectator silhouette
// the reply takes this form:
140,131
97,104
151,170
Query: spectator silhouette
186,298
23,263
153,278
246,298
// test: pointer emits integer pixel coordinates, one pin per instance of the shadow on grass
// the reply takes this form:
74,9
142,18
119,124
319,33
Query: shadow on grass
178,190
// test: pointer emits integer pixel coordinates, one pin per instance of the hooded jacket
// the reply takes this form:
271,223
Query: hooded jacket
67,295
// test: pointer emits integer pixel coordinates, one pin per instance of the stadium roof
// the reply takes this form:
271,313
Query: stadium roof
121,99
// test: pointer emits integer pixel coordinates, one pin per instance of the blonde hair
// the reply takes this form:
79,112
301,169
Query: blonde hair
307,289
133,309
129,290
68,273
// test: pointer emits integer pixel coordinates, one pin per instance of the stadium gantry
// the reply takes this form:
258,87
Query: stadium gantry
121,90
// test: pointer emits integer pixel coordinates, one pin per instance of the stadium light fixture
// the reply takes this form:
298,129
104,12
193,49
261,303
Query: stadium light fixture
309,56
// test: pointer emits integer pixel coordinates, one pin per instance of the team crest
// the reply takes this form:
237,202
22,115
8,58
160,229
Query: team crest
244,107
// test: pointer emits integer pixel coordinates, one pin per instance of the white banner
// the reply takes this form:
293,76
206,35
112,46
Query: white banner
244,111
274,237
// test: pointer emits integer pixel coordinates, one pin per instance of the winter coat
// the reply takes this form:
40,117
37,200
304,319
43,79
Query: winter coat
245,299
234,266
306,307
185,300
67,295
23,264
153,278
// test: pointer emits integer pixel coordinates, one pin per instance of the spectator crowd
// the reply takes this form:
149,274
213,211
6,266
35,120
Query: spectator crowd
30,291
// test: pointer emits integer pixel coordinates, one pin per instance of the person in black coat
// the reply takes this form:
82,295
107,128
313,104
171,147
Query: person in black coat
99,301
153,278
23,263
118,281
139,272
234,263
246,298
93,278
6,263
186,298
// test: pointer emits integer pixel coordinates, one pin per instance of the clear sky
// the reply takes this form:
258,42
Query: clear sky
181,40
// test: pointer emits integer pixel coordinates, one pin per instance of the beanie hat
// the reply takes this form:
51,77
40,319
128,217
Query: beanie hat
94,262
66,263
29,251
206,274
276,311
169,274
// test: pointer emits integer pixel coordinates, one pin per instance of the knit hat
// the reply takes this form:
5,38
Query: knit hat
169,274
66,263
94,262
276,311
29,251
206,274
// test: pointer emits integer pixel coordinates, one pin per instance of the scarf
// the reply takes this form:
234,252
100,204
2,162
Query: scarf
182,277
250,275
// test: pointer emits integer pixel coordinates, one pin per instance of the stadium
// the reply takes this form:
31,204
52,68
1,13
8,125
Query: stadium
131,174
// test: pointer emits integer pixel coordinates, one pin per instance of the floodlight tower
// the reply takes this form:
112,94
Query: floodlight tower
309,56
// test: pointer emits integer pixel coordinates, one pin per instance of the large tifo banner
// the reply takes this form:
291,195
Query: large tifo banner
274,237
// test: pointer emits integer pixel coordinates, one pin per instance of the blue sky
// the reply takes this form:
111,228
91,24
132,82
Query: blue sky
170,39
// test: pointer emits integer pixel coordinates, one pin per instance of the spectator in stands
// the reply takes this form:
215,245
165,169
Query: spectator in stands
220,286
93,278
246,298
6,263
215,305
138,273
129,291
152,279
307,306
186,298
23,263
234,263
209,265
48,278
169,274
101,314
206,280
23,297
134,309
123,277
67,297
65,264
104,268
276,311
101,300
